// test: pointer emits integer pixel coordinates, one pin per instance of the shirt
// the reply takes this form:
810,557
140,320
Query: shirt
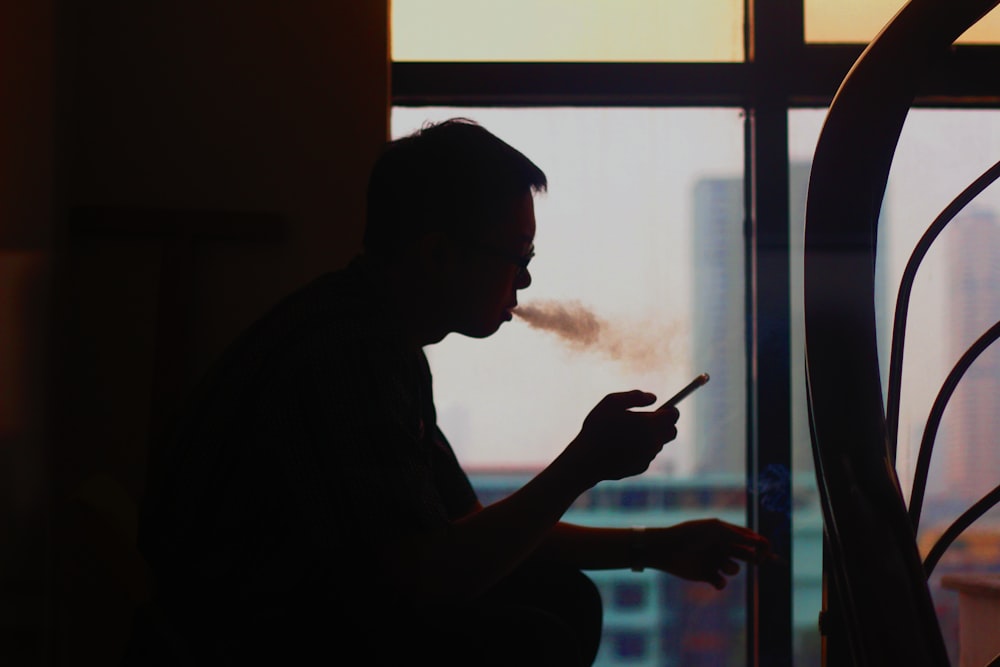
312,441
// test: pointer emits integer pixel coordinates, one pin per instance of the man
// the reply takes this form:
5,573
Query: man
309,502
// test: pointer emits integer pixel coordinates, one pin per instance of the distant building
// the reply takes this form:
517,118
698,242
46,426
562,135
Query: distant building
719,313
652,619
720,243
969,451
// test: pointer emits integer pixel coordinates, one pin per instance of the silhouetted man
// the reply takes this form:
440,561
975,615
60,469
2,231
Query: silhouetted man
309,504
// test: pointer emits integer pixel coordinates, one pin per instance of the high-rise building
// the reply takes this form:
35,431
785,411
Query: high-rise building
720,325
968,450
719,238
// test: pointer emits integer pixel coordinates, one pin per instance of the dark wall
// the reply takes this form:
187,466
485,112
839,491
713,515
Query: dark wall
170,170
26,213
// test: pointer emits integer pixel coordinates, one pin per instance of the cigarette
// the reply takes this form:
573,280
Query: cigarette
691,386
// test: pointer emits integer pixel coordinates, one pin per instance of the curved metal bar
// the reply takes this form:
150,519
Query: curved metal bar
968,517
934,420
879,596
903,298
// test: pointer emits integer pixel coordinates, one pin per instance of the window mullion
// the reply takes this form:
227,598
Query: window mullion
774,36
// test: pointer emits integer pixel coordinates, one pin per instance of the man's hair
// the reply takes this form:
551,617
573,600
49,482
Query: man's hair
454,177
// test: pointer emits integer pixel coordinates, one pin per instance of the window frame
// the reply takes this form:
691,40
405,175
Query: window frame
781,72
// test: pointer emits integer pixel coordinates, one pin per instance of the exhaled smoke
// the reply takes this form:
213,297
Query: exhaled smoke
639,345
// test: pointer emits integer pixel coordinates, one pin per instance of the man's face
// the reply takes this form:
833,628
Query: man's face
491,273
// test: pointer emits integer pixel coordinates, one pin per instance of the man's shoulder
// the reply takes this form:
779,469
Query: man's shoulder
339,306
338,313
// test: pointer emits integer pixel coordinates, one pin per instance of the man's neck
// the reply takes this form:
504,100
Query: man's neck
408,300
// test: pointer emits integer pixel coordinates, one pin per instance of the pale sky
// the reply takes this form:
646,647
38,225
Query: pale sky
619,30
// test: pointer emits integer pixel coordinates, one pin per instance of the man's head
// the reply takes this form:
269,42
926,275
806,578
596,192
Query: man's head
451,209
453,178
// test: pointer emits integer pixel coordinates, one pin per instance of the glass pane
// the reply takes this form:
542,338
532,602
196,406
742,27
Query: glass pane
955,298
807,516
843,21
642,227
567,30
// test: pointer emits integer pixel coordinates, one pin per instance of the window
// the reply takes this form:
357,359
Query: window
834,21
630,646
567,30
629,595
678,171
664,235
629,258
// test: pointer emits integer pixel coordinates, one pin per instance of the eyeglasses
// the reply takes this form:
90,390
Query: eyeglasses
520,261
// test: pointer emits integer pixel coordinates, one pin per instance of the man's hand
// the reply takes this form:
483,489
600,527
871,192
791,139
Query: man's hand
617,442
705,550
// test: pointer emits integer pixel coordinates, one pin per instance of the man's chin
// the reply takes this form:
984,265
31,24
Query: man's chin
484,331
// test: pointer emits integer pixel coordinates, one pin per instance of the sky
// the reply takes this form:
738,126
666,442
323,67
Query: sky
619,30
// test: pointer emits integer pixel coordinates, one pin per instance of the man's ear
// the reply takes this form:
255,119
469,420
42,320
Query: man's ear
435,252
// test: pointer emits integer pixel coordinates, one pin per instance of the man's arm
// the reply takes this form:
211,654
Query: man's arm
474,552
701,550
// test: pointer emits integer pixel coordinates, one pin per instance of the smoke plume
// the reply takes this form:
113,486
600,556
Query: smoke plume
640,345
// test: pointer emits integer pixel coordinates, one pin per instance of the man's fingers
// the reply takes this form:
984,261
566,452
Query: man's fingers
749,540
669,414
757,555
629,399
